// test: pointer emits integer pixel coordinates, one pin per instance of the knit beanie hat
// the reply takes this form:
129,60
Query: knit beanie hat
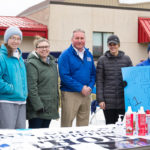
12,31
148,49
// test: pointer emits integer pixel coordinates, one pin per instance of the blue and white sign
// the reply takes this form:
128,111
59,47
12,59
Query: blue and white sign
137,91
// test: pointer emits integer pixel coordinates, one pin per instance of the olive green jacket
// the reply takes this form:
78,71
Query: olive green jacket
42,80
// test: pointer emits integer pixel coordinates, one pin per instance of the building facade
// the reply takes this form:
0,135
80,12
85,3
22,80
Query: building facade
99,19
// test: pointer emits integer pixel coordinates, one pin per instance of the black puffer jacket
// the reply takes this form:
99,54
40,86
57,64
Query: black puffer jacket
109,83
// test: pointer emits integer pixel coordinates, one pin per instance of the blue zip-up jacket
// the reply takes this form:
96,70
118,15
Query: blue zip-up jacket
75,72
13,81
144,63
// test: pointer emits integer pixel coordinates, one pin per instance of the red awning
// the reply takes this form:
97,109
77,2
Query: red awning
143,30
28,27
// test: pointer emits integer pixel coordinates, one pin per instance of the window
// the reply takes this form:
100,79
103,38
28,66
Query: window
100,43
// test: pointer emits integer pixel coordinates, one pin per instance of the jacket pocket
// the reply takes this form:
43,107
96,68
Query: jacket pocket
50,105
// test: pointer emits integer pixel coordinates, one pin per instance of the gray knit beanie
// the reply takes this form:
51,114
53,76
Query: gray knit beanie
12,31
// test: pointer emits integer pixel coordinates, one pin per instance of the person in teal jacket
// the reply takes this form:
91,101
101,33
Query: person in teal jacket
77,73
42,78
13,82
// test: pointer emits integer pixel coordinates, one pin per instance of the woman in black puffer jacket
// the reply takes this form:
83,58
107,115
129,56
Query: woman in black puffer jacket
109,82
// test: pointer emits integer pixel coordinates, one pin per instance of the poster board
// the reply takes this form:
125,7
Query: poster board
78,138
137,91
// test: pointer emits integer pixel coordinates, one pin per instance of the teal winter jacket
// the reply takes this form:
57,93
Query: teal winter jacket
13,81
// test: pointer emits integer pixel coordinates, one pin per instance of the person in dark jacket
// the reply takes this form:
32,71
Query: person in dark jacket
146,62
109,82
42,79
77,72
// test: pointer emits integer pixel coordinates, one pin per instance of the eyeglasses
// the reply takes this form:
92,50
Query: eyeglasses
42,47
15,39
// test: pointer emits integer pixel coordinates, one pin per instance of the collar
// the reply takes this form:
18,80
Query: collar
16,53
77,51
38,56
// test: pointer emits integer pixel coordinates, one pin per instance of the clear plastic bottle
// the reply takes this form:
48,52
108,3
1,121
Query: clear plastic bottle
119,129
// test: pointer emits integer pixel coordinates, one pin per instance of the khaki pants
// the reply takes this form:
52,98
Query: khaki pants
74,105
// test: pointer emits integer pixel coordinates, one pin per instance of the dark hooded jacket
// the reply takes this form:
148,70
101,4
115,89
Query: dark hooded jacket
42,80
109,82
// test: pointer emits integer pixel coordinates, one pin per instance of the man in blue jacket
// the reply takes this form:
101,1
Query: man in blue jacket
77,73
146,62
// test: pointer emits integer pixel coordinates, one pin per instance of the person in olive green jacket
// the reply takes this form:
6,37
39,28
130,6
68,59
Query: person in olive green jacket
42,77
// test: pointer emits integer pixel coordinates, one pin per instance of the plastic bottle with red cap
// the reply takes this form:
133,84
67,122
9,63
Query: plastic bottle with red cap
142,122
129,121
148,122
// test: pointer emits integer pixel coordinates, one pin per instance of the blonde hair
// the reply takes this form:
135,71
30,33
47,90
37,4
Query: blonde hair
39,39
9,50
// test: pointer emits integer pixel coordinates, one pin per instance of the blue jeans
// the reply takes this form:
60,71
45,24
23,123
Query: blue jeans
39,123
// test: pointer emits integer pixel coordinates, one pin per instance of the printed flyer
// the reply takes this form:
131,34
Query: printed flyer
78,138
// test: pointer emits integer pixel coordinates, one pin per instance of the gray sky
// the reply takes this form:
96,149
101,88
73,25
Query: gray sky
14,7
